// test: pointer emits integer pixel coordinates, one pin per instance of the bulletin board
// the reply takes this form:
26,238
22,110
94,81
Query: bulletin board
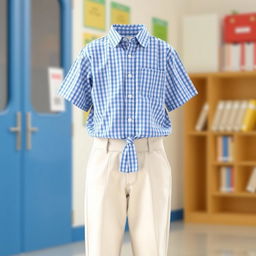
94,15
160,28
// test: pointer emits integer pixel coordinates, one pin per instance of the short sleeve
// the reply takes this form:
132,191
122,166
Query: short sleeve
76,85
179,87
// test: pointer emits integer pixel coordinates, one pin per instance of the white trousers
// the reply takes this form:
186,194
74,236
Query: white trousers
111,196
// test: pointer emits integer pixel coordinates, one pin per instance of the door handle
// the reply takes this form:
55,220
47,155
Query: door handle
17,129
29,130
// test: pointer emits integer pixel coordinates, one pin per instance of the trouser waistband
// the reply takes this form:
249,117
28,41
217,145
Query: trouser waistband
141,144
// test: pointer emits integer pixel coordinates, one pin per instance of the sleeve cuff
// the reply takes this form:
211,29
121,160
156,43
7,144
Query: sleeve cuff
73,101
181,102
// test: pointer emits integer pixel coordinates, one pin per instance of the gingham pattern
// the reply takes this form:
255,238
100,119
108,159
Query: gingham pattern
127,83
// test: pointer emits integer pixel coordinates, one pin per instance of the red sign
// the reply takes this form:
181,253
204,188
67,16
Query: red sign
240,28
56,76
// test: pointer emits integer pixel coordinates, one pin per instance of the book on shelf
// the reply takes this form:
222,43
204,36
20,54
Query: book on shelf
249,116
235,115
251,184
226,179
218,114
239,56
250,56
225,115
232,57
202,119
240,114
225,148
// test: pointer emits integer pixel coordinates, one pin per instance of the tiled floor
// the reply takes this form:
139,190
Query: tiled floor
185,240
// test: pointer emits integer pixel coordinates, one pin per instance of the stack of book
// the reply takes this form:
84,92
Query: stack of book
225,148
235,115
239,56
251,185
226,179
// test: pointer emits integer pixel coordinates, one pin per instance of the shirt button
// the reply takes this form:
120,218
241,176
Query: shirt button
129,75
129,56
129,119
130,95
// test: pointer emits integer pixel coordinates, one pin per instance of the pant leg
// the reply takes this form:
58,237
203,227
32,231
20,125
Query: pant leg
105,205
150,206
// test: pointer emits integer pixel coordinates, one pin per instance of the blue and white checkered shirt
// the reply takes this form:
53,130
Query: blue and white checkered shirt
127,77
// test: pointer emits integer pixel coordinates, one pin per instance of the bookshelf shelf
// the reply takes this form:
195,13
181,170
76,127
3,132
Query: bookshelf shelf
223,163
252,133
204,202
247,163
235,194
198,133
222,133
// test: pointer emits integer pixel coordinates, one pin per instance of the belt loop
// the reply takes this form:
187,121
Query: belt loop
148,144
107,144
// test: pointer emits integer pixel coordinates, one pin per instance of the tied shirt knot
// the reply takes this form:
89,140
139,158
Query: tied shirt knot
129,160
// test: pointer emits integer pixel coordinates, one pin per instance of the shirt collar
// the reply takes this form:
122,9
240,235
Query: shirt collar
117,31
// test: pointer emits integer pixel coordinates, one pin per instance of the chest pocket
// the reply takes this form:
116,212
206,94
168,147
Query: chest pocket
151,82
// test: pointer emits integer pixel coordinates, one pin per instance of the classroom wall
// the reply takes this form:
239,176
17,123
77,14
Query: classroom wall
218,6
221,8
141,12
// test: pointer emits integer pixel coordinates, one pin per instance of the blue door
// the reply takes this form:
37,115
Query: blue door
47,147
35,143
10,127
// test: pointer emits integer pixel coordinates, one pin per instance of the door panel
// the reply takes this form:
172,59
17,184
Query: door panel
10,155
47,161
3,54
45,49
35,183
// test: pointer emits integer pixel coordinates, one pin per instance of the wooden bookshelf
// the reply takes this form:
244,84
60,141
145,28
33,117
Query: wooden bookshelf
203,202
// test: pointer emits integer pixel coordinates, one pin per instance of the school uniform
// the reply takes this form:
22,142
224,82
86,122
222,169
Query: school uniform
130,80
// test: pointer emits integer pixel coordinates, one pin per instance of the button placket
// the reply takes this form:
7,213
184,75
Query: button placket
130,87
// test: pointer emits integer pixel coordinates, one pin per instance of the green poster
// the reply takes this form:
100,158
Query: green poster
160,28
120,13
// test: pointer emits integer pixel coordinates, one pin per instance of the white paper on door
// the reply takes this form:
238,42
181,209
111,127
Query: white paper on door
55,77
